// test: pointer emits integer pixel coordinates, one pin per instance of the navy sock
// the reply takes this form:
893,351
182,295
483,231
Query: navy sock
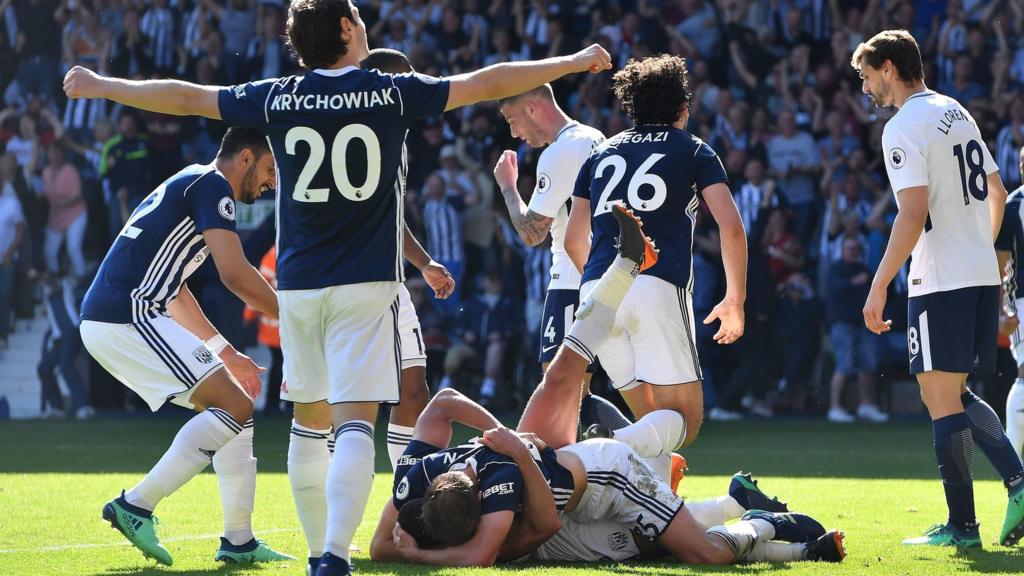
954,449
597,410
988,433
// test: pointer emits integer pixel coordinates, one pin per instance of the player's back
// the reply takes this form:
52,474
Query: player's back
337,137
1011,239
933,141
160,246
657,171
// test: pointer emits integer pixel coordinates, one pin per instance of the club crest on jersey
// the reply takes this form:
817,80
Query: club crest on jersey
543,183
897,158
403,489
618,541
203,354
226,208
239,91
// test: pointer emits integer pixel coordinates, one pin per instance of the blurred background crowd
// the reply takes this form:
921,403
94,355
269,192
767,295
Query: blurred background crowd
774,95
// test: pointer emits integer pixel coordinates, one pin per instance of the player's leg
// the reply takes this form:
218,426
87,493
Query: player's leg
1015,399
364,362
414,392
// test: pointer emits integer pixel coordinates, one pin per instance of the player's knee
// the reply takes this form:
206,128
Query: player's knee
316,416
694,419
241,408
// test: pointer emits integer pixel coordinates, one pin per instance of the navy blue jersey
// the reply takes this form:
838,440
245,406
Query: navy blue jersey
160,246
337,137
1011,239
658,171
498,477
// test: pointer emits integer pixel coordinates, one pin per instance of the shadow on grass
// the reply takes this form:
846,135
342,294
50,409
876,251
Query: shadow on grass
220,570
992,561
635,569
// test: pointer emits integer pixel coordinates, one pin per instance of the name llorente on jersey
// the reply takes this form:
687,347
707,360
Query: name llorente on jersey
637,138
347,100
952,115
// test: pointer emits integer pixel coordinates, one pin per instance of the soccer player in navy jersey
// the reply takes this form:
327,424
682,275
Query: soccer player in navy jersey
337,134
141,323
662,172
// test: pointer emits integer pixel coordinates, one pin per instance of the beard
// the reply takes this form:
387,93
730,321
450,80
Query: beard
250,192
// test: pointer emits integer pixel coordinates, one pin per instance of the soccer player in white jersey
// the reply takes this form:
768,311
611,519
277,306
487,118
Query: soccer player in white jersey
1010,252
141,323
951,203
337,134
535,118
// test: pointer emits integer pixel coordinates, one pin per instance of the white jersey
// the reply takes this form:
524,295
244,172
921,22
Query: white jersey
933,141
557,168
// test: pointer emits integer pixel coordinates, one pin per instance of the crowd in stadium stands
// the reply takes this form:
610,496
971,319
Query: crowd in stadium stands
773,93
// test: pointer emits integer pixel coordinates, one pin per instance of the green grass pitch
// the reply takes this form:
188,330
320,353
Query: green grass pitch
878,483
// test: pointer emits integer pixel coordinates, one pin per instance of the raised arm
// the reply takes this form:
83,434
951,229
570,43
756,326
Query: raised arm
165,96
510,78
530,226
434,426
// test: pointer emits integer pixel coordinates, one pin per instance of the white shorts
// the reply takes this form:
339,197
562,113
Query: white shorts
623,489
413,352
1017,337
341,343
158,359
653,338
577,541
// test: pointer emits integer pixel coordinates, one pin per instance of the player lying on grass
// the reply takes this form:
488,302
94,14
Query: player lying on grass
472,492
141,323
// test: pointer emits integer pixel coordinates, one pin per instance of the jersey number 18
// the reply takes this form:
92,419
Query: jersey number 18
972,171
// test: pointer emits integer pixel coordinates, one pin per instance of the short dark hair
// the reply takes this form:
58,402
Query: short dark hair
238,138
896,46
653,90
314,31
388,61
451,509
410,518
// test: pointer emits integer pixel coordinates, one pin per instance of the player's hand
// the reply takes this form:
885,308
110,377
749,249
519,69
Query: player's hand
504,441
405,544
873,308
439,279
730,314
593,59
81,82
1008,324
531,438
506,171
244,370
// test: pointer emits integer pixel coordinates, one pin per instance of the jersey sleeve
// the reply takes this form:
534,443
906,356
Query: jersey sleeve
501,490
1011,228
410,476
422,96
246,104
582,187
556,178
211,203
709,168
905,159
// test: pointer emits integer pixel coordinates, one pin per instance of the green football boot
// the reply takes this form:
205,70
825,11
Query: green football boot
248,553
1013,525
944,535
138,526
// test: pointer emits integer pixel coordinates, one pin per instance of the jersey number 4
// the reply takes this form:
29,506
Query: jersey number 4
972,171
317,150
639,178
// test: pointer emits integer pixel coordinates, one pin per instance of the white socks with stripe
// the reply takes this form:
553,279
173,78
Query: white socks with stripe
236,477
656,434
349,481
191,451
775,552
743,535
308,461
398,439
596,314
1015,417
715,512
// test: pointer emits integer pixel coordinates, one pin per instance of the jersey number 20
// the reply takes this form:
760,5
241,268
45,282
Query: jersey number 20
972,171
303,193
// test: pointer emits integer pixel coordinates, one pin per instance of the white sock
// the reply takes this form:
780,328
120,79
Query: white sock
596,314
349,481
398,439
657,433
662,466
308,459
741,536
1015,416
715,512
191,451
776,552
236,477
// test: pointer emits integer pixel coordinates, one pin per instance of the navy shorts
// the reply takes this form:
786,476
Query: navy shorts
948,331
559,308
